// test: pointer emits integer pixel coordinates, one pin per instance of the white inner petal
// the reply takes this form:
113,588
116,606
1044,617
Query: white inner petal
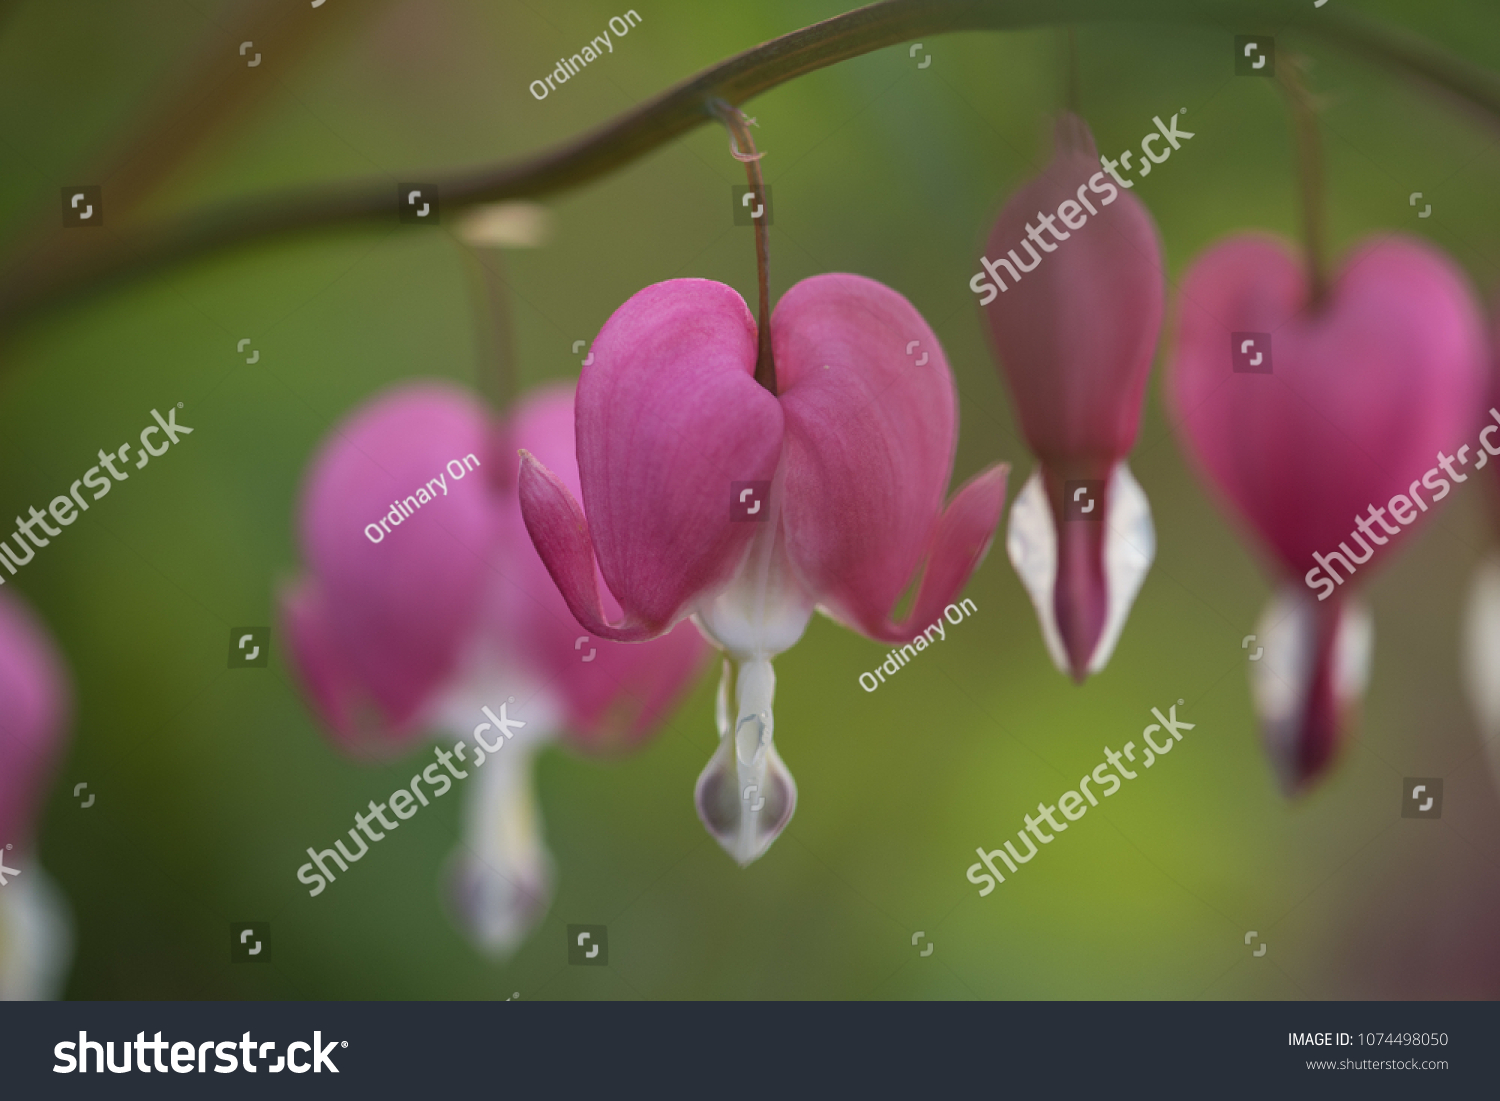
1482,655
1281,677
1031,543
1482,646
745,795
36,934
500,877
762,612
486,680
501,881
1129,549
1353,652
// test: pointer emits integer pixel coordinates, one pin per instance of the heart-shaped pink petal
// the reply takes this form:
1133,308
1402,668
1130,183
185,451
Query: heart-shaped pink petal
1361,398
870,436
669,417
1076,335
615,693
398,516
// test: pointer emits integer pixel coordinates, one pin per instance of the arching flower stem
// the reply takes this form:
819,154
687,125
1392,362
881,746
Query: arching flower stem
30,283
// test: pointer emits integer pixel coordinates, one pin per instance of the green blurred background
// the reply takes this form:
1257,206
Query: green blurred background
211,783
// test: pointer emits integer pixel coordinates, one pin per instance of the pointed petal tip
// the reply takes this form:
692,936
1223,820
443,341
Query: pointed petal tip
960,542
560,532
496,913
1308,686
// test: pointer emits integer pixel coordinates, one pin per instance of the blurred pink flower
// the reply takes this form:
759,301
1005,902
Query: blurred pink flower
35,927
33,717
1076,332
423,606
1365,396
709,496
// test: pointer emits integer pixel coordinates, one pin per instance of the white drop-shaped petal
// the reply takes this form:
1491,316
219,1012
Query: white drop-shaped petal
1129,549
1031,543
1281,677
499,881
36,933
1354,653
745,795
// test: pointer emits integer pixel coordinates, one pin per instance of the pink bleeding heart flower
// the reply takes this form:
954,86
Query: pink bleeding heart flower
426,607
1075,325
35,925
1316,424
709,496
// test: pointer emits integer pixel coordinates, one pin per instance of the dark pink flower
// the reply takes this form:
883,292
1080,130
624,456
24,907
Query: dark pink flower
1365,419
425,603
1072,287
709,496
35,926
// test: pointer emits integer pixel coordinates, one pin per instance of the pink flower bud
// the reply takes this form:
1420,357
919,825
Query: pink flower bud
1076,310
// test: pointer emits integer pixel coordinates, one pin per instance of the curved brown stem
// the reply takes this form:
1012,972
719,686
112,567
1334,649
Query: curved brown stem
742,143
39,282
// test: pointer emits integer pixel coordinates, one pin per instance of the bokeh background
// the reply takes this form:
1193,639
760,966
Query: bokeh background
211,782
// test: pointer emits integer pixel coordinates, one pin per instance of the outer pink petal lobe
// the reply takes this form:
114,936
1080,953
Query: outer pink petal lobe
398,612
668,416
1361,396
869,450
